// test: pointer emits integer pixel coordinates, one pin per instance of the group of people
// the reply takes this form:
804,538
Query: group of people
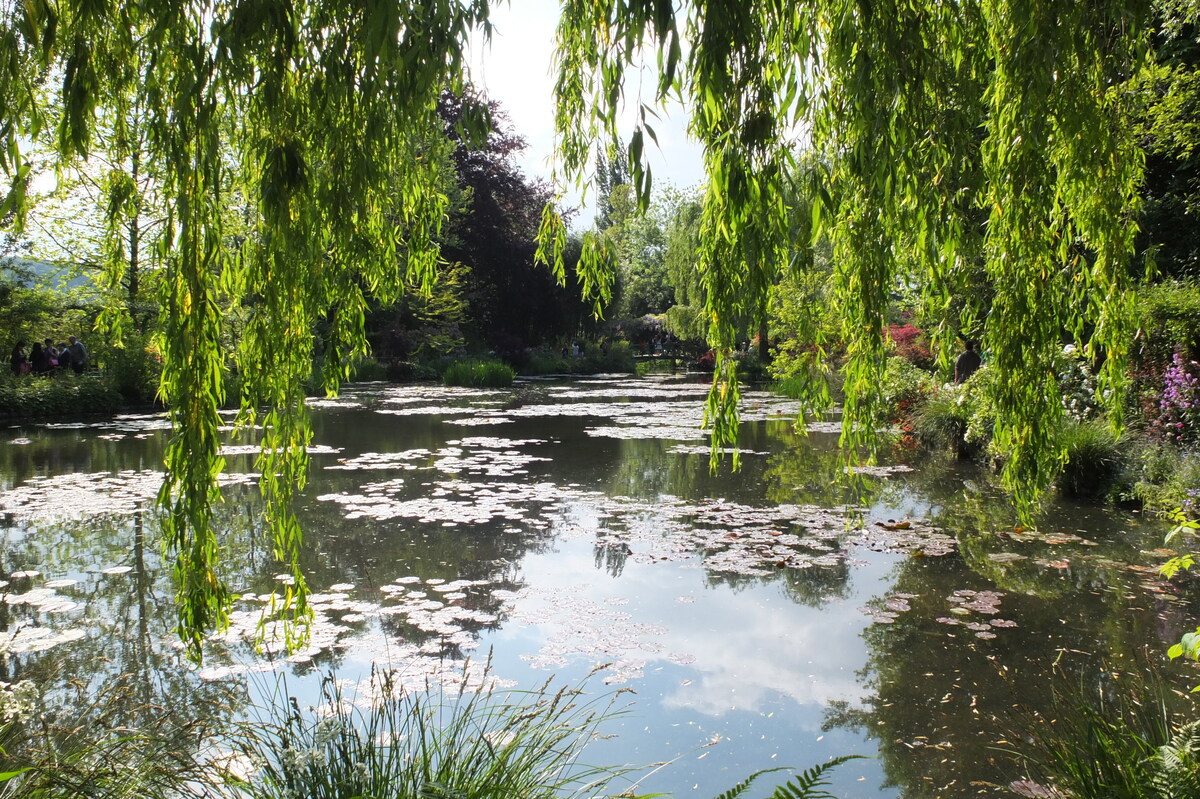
47,359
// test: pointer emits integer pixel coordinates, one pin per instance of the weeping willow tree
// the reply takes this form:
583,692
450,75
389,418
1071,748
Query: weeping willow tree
959,136
956,134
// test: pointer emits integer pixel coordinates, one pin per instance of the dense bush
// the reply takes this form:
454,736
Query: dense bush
63,395
368,370
479,374
615,356
910,343
134,369
1167,478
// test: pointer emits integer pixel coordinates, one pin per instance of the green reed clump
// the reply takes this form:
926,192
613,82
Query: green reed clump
406,744
95,752
941,421
1097,458
1116,741
479,374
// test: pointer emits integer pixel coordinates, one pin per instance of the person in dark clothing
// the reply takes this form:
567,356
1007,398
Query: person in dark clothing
17,360
39,359
968,363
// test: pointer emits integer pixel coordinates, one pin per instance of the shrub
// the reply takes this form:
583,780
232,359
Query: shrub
367,370
616,356
750,368
63,395
134,369
910,343
609,356
1077,385
905,386
547,361
1178,419
479,374
1167,478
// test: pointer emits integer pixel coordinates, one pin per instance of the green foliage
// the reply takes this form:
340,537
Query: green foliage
1169,317
905,385
479,374
65,394
367,370
597,358
133,369
1189,644
1116,742
809,784
949,146
413,745
1097,458
1169,478
1164,116
941,421
92,754
953,138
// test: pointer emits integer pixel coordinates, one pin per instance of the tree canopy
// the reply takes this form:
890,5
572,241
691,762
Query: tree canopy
956,136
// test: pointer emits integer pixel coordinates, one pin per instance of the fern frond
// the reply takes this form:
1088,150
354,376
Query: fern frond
1178,773
739,789
809,784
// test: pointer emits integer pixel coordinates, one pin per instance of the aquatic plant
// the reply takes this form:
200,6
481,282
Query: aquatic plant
1113,741
1096,457
400,742
88,756
479,374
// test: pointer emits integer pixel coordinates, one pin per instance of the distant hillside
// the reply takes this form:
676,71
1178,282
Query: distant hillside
42,274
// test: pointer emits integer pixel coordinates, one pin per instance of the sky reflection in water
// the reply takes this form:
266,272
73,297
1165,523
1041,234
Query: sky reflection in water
768,617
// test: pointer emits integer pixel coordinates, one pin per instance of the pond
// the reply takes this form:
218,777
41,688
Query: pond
772,616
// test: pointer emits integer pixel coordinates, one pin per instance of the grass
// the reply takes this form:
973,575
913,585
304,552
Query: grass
941,422
424,745
92,750
1115,742
1096,459
479,374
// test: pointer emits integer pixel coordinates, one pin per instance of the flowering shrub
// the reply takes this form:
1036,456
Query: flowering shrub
1077,384
909,342
1178,420
1191,506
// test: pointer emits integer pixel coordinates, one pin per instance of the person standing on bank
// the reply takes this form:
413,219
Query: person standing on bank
20,365
39,358
968,363
78,354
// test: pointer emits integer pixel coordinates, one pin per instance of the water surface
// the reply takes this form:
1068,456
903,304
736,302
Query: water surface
775,616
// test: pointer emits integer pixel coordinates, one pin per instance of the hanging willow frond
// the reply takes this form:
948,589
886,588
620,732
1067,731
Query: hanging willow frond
959,138
966,138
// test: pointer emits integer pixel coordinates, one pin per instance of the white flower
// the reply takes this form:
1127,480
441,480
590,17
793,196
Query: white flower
17,702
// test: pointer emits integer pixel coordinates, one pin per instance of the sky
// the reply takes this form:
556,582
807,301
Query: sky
516,71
